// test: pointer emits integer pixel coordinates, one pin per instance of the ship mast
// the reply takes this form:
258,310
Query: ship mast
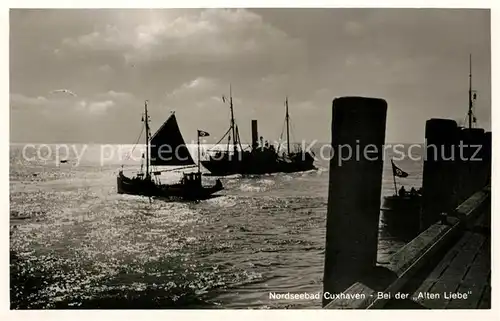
470,92
146,124
232,120
287,118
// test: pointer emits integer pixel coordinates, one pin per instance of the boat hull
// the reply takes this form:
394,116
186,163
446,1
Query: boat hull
254,164
143,187
401,214
222,167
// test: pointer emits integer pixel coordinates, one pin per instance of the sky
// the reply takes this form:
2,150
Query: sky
184,60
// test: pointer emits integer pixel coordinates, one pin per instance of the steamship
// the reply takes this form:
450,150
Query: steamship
259,158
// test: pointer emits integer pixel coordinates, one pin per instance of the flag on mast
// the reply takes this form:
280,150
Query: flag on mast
396,171
202,133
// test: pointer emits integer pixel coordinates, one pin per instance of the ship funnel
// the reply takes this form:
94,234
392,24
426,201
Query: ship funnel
255,136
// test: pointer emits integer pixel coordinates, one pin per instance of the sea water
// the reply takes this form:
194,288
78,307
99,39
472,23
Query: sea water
76,243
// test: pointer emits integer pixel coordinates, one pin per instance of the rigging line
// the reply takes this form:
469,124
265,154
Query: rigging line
176,169
283,129
281,135
464,120
137,141
220,139
292,130
239,140
292,134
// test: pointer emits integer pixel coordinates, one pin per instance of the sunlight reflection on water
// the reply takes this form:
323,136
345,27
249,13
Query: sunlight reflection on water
83,245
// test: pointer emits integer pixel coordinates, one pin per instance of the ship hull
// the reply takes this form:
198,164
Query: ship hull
255,164
222,167
143,187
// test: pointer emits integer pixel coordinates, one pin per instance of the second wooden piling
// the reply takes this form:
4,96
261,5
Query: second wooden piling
440,171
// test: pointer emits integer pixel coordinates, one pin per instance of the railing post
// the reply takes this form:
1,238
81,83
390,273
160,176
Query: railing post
358,135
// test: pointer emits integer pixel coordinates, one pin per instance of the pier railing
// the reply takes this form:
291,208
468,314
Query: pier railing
415,255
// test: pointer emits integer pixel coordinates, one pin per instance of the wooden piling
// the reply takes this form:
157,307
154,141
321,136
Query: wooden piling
469,162
358,125
439,175
481,163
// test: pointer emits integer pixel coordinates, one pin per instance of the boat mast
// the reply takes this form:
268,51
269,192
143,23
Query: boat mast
198,134
146,124
395,185
232,119
287,118
470,91
394,178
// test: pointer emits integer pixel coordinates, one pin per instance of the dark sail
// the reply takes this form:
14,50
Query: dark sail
167,147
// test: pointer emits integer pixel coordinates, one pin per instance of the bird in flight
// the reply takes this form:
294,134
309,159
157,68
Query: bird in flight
63,91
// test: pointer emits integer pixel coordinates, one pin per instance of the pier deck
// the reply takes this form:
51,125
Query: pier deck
436,269
464,269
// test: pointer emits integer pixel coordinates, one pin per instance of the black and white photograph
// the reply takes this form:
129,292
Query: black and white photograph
250,158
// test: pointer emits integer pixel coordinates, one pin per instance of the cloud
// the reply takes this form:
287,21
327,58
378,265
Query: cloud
184,60
94,107
201,95
118,95
105,68
212,34
108,39
100,107
19,101
97,104
100,117
202,92
200,86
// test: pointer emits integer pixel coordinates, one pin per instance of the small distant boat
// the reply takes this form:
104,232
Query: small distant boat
259,158
148,184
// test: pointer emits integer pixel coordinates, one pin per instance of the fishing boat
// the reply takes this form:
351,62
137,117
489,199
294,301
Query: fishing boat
260,157
401,211
167,148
